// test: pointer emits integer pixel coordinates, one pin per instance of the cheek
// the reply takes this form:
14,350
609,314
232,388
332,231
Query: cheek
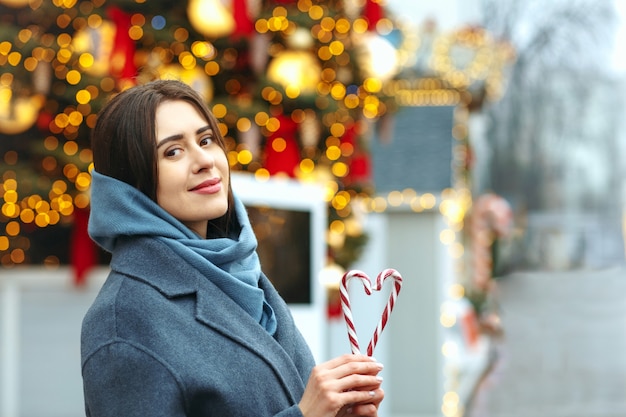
222,162
164,186
226,171
225,166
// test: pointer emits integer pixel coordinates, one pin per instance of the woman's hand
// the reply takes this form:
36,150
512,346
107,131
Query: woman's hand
345,386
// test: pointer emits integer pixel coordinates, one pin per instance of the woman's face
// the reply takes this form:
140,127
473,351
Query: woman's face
192,183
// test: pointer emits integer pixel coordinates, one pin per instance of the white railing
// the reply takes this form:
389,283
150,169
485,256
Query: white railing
42,363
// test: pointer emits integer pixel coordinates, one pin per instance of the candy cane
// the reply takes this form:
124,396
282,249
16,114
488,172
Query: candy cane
491,217
367,285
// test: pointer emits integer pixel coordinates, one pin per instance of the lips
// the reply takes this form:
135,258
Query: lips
208,187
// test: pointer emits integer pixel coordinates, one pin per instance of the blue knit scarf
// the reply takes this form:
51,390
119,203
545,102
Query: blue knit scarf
120,210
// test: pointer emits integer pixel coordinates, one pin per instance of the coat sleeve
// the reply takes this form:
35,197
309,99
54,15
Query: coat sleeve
121,379
293,411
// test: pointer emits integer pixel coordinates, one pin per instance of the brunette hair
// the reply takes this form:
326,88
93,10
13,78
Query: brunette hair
123,141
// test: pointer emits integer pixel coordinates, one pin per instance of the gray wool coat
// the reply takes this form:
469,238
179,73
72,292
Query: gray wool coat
162,340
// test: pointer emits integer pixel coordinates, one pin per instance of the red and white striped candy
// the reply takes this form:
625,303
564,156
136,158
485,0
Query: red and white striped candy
367,284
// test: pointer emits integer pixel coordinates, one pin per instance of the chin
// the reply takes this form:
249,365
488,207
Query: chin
222,212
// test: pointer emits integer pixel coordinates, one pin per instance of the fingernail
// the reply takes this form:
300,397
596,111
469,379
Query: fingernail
372,393
378,377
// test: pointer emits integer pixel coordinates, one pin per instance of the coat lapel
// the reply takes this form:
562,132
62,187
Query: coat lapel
219,312
155,264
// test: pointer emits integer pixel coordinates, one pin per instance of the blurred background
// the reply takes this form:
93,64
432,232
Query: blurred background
477,147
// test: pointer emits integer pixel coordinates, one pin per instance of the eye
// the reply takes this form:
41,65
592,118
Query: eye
206,140
172,152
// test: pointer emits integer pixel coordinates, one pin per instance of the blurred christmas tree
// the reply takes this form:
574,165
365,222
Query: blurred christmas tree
49,95
294,82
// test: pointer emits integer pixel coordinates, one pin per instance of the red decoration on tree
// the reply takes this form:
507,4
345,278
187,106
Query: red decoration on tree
373,12
244,26
282,153
360,168
359,163
123,55
333,308
44,120
82,249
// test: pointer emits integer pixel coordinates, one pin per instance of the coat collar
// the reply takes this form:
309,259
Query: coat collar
153,263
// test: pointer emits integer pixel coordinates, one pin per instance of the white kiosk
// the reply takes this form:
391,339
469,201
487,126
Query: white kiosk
289,219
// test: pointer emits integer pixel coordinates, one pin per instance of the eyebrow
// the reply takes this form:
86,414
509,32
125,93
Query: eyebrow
180,136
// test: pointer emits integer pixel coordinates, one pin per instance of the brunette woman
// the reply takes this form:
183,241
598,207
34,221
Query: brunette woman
187,324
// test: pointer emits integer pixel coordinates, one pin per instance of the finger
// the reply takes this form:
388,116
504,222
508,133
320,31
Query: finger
354,398
368,407
376,399
363,410
347,358
370,387
347,376
356,367
357,382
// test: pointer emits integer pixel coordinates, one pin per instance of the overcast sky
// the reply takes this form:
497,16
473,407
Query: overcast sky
619,56
451,14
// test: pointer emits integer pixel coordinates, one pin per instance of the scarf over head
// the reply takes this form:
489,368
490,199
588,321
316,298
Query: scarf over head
120,210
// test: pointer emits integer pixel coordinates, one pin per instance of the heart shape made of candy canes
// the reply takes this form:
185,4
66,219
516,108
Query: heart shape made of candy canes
367,285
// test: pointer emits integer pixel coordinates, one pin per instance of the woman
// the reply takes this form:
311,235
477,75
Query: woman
186,323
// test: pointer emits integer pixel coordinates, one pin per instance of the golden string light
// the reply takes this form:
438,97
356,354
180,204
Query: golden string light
469,56
210,18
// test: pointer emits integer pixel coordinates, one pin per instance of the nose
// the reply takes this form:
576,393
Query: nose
204,159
